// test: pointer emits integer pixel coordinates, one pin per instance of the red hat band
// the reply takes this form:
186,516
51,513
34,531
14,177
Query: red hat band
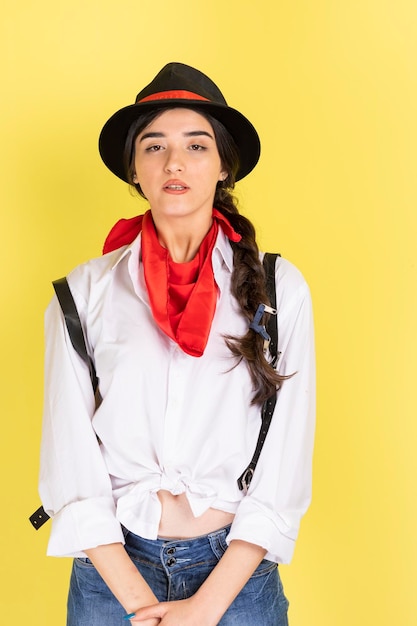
178,94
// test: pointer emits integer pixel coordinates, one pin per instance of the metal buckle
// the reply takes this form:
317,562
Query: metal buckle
246,478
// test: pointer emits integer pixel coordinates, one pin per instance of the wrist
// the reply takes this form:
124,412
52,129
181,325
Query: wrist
139,601
213,608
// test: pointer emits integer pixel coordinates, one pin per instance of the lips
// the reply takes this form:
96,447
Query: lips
175,186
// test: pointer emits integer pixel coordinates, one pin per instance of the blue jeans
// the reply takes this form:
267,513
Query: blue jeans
175,569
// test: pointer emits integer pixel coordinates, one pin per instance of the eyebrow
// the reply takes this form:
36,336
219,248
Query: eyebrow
192,133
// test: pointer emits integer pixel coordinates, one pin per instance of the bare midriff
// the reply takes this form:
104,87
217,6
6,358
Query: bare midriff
178,521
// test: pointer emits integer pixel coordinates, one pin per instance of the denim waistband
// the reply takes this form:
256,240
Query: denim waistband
172,554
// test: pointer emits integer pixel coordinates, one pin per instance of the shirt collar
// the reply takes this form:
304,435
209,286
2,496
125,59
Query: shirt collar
134,247
222,253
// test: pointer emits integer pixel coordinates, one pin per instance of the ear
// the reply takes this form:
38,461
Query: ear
135,179
223,176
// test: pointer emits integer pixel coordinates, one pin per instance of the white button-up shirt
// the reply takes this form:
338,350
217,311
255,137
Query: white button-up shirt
169,420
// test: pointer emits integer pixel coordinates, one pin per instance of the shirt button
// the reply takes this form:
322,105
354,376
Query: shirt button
171,562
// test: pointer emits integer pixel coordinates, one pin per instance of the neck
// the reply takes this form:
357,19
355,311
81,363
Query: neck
182,237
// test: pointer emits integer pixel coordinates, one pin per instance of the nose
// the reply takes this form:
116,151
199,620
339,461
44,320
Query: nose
174,162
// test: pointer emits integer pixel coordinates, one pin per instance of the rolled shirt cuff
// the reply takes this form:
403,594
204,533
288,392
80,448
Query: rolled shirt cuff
259,525
83,525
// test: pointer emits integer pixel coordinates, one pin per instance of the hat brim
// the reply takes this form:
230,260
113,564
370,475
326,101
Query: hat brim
114,133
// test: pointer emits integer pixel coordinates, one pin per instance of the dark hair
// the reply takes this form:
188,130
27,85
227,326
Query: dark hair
248,277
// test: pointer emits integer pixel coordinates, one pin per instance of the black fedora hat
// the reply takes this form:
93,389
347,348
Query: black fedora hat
179,85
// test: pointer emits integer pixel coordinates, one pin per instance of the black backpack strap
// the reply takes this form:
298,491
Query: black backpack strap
268,407
73,323
76,334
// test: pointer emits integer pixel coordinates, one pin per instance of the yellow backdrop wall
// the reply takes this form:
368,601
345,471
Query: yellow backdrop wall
332,88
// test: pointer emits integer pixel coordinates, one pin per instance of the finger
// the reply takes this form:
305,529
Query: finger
148,612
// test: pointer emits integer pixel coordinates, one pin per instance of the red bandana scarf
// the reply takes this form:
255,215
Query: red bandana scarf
182,295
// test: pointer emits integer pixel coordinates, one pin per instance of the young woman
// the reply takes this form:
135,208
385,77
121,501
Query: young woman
143,489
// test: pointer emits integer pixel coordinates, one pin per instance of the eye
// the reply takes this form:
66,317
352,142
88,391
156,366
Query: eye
196,147
153,148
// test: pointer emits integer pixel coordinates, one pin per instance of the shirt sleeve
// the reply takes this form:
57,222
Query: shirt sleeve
74,484
280,492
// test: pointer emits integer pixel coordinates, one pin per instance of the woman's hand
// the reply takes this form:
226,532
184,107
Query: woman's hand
176,613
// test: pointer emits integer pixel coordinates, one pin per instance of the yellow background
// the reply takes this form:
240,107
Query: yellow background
331,86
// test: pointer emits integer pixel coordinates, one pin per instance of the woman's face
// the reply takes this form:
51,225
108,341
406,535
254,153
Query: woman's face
177,164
